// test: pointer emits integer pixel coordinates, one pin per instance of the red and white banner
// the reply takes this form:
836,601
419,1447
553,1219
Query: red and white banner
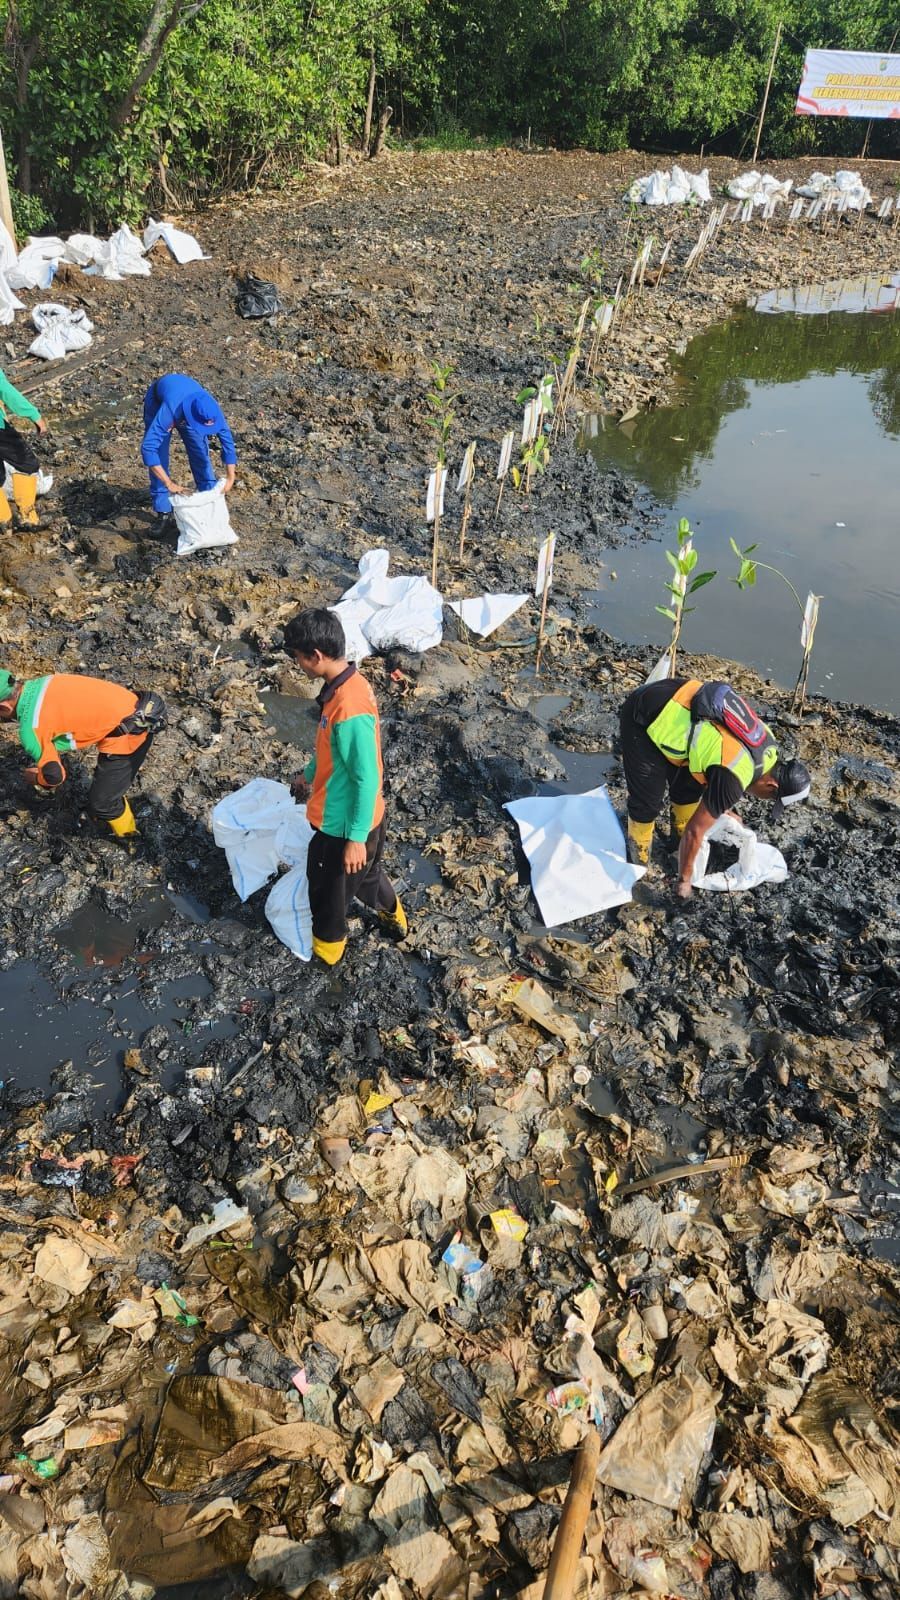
849,83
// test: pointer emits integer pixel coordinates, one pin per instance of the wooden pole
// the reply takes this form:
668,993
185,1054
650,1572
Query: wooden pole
563,1566
466,511
762,114
6,216
540,638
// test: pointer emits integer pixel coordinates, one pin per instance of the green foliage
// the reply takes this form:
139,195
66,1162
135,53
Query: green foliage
440,404
685,580
30,215
748,569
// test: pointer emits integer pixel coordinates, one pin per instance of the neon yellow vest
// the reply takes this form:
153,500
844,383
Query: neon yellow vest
700,745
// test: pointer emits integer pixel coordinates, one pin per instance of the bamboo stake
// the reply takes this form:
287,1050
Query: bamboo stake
563,1566
762,113
438,491
468,468
550,546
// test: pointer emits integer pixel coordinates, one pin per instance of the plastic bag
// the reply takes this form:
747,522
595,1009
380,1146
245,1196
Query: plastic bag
60,331
257,298
288,913
758,862
202,520
657,1451
183,246
36,264
9,303
380,611
255,827
44,481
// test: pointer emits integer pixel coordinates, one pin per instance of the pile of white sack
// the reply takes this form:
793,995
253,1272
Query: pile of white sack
379,612
760,187
846,186
123,255
261,828
675,188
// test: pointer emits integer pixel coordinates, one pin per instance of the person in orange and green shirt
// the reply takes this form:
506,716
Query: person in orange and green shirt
342,788
16,454
64,711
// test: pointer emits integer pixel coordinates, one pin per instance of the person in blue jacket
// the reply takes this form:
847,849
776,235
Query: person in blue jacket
180,404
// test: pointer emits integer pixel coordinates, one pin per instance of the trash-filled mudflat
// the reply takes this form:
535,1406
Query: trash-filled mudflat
315,1280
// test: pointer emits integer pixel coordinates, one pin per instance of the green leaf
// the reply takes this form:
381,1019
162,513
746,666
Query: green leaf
665,612
689,561
701,579
736,548
749,548
672,560
525,394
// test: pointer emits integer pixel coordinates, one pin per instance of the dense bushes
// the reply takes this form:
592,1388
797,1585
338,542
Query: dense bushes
108,109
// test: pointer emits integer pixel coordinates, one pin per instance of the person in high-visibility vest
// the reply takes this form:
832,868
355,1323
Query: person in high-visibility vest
17,456
708,747
64,711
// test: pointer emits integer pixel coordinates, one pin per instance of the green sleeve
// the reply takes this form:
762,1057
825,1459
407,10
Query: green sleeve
15,403
354,743
309,771
30,742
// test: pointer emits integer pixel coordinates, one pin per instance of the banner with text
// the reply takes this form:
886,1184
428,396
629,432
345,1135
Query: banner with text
849,83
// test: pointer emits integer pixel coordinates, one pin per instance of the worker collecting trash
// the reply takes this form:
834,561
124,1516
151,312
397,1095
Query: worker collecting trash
176,403
707,746
342,789
16,454
63,712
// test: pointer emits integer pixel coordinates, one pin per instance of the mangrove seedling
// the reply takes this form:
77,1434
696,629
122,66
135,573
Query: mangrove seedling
440,404
809,613
683,583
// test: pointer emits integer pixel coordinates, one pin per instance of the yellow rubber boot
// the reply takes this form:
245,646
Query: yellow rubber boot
681,816
640,838
329,950
25,494
123,826
5,510
394,921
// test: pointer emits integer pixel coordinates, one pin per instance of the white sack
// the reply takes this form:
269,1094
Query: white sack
202,520
577,853
44,481
843,186
675,188
120,256
758,862
36,264
758,187
9,303
8,252
353,614
663,669
391,611
484,615
83,248
183,246
60,331
258,827
287,909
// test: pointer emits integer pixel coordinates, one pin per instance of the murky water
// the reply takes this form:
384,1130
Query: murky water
788,435
292,717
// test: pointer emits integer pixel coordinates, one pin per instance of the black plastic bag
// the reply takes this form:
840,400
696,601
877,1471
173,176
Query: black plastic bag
256,298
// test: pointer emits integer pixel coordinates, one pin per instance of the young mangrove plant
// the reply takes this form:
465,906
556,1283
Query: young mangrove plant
683,583
535,456
440,404
809,613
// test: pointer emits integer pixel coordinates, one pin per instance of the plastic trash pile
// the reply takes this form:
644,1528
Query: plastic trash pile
846,186
123,255
674,188
760,187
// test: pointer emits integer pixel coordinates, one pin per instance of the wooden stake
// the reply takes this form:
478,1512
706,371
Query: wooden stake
563,1566
550,546
467,507
762,113
6,216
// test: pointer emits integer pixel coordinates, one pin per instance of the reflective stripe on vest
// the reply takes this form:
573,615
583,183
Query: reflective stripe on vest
701,745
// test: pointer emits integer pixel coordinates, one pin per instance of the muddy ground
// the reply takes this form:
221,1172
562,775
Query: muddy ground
763,1027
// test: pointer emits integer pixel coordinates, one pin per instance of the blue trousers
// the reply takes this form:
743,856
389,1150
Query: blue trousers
196,446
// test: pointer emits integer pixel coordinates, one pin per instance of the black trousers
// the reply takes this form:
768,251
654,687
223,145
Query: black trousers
16,452
331,889
112,781
647,772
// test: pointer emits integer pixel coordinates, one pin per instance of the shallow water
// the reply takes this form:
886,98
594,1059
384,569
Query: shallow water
788,434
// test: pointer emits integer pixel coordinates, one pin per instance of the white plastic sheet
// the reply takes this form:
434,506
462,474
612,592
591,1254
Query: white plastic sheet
183,246
8,251
675,188
487,612
379,611
120,256
9,303
758,862
61,330
759,187
36,264
577,854
202,520
258,827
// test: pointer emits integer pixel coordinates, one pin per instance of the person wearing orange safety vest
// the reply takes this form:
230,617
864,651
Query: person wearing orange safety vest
63,712
707,746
